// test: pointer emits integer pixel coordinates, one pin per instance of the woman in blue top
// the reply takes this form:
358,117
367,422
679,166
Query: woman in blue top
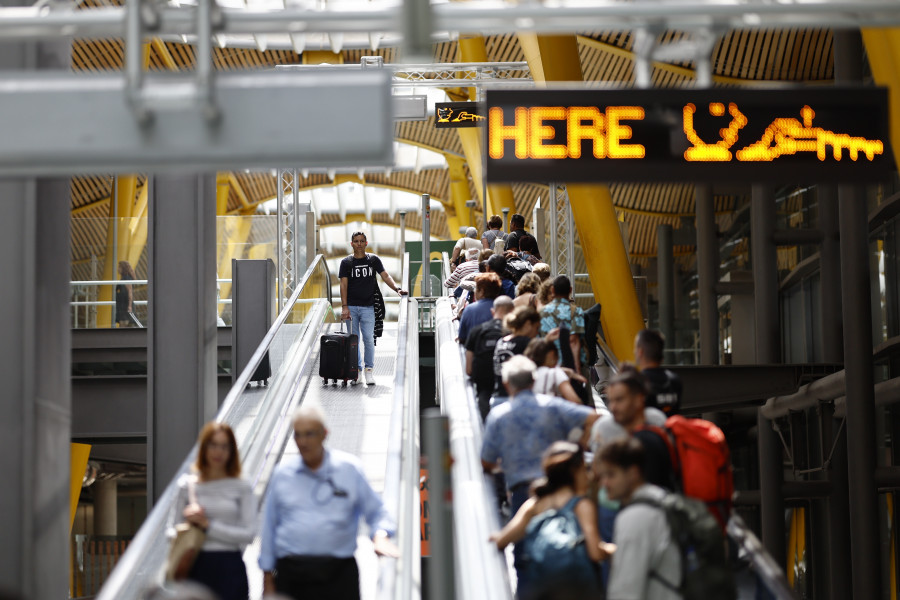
556,509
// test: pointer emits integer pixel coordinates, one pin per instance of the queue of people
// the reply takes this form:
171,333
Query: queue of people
599,527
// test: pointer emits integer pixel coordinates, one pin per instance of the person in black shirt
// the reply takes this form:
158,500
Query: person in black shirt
357,274
524,323
625,396
480,344
664,386
516,231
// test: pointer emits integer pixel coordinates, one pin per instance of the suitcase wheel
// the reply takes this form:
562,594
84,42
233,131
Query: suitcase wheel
324,381
344,383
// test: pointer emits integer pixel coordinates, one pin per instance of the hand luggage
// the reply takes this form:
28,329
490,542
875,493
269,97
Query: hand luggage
339,356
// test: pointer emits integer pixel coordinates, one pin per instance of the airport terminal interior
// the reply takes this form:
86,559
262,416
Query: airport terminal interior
723,171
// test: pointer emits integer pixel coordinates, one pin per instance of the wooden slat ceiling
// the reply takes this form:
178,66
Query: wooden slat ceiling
739,57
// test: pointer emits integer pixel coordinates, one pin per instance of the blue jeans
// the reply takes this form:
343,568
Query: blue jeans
363,318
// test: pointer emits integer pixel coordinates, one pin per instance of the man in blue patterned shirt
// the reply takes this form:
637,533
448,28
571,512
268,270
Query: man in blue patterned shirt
563,311
517,432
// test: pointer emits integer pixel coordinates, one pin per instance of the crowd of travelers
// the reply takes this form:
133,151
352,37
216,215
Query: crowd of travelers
605,489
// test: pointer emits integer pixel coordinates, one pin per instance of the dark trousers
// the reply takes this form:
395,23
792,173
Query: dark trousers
317,577
223,573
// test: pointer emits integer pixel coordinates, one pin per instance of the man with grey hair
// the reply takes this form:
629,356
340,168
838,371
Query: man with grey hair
469,241
517,432
311,517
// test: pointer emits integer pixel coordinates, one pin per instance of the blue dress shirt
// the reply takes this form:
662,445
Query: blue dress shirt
316,513
517,432
474,314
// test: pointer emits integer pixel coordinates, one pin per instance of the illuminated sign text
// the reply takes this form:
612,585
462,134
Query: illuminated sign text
655,135
533,127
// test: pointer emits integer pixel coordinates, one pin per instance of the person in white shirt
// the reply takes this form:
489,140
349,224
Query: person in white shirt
468,242
647,563
216,499
548,378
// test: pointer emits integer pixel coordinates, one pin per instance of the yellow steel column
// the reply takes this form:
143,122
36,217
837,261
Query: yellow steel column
232,232
883,50
318,57
500,196
138,227
121,204
555,58
223,191
459,193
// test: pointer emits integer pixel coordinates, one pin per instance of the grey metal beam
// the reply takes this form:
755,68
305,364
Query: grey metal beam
797,237
830,275
724,387
69,123
838,507
857,314
182,345
35,367
115,406
708,274
731,288
865,555
768,351
665,262
128,344
794,490
491,17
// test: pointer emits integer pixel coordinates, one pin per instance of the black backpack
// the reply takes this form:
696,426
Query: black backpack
705,571
483,353
516,267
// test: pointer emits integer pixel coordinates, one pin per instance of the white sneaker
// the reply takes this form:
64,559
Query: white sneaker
370,377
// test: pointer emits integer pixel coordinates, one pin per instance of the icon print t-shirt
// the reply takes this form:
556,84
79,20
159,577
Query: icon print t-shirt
360,274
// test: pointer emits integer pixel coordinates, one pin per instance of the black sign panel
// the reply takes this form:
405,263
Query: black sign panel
458,114
709,135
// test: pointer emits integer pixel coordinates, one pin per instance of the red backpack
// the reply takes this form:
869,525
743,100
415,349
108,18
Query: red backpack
702,462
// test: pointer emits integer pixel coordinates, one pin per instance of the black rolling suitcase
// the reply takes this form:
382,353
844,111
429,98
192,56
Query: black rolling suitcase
339,356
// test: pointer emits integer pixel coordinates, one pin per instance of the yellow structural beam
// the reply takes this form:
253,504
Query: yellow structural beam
555,58
234,233
223,191
318,57
163,53
883,50
78,460
118,235
459,194
472,49
137,229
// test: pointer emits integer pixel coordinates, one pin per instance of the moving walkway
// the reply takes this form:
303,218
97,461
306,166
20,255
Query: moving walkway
358,419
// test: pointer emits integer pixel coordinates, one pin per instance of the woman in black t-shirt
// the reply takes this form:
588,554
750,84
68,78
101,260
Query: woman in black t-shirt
524,322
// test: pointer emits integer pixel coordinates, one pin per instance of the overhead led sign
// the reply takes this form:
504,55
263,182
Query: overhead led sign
833,134
458,114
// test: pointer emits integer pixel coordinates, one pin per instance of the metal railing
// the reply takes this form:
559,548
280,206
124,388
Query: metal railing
261,441
481,570
85,303
399,579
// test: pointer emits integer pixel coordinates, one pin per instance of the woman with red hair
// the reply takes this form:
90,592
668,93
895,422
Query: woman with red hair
216,499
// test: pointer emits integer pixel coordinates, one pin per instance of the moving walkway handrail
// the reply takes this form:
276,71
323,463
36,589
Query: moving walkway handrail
399,578
140,568
481,570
